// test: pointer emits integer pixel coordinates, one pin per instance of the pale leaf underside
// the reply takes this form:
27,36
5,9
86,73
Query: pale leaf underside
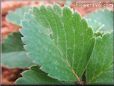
101,20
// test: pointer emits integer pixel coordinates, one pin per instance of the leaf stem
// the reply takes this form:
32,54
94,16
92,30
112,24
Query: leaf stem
75,74
79,80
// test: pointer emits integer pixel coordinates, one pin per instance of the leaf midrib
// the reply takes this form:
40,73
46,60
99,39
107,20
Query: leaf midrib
57,47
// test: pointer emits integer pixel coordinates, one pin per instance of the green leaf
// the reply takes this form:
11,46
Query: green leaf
36,76
100,67
16,59
12,43
13,53
101,20
15,17
59,41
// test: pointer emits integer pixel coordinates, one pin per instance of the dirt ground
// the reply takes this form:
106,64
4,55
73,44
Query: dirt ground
8,76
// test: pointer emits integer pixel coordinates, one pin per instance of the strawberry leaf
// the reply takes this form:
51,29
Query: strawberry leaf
58,41
15,17
101,20
100,67
61,43
36,76
13,54
12,43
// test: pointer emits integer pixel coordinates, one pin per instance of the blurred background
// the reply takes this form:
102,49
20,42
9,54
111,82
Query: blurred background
7,75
